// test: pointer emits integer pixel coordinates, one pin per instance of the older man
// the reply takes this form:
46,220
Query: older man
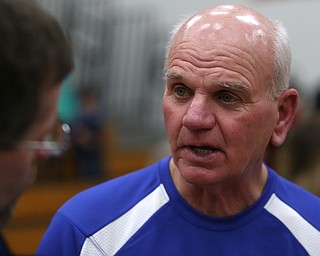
226,99
35,56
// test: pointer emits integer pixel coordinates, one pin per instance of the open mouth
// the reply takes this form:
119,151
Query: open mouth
205,150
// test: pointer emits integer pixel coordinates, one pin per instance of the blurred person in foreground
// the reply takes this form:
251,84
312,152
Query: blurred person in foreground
226,99
35,56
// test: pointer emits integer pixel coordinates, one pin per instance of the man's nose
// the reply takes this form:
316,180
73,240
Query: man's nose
199,115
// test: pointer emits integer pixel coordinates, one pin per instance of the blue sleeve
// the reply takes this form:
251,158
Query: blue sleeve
61,238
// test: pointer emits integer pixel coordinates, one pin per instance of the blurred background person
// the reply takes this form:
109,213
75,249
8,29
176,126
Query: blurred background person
35,57
304,150
87,141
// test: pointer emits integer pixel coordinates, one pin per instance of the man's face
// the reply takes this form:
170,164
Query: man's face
217,115
17,166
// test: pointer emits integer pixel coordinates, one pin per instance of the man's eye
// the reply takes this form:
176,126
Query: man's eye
181,91
226,97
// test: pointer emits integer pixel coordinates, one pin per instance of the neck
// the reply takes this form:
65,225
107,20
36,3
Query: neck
221,200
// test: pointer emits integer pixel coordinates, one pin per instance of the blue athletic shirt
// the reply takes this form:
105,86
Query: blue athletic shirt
142,213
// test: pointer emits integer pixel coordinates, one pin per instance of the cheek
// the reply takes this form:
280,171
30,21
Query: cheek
254,129
16,174
172,120
264,124
27,174
22,169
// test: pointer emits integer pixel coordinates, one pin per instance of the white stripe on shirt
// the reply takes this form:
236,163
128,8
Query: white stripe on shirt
110,239
304,232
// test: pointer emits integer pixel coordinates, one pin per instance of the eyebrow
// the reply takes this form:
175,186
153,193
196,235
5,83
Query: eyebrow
173,75
237,86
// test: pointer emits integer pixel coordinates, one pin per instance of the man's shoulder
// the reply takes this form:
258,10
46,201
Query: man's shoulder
297,194
298,210
101,204
301,200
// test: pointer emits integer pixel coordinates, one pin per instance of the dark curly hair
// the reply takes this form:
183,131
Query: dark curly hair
35,54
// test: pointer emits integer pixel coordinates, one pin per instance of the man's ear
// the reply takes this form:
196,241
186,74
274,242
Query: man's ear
287,108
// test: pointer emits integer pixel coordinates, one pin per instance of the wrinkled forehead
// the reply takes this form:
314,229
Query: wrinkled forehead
242,32
230,24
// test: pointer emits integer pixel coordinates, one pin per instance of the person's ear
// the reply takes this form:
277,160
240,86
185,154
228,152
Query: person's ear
287,108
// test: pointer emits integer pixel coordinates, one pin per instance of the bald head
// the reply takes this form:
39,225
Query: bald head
228,23
242,31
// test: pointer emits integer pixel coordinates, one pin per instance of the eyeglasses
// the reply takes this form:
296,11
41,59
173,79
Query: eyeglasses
56,143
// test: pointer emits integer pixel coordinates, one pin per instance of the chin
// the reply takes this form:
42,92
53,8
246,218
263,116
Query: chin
202,176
